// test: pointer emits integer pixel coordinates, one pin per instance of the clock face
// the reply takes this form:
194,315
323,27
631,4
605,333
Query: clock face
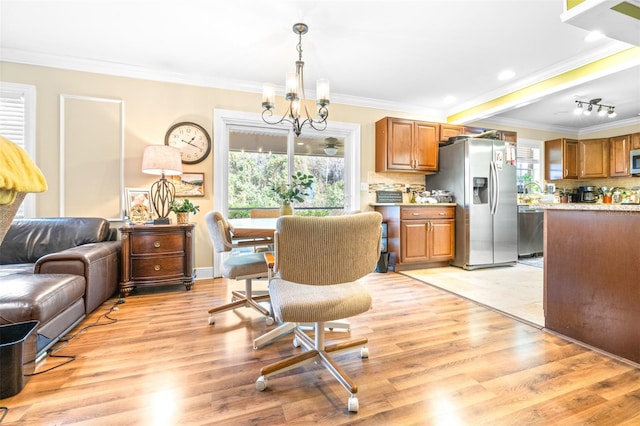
192,140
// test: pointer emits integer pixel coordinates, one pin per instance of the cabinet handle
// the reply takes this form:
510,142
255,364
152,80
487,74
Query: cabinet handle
566,172
415,214
442,213
156,244
156,267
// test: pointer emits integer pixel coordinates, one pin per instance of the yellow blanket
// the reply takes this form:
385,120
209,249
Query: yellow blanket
18,173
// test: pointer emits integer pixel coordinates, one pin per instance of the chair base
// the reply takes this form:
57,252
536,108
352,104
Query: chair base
248,299
287,327
316,350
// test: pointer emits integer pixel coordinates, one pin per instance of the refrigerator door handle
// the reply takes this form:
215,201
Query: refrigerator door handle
495,188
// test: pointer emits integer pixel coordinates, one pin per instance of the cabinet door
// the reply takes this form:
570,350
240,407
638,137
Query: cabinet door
450,130
413,237
400,145
635,141
594,158
570,159
426,137
619,155
442,239
561,159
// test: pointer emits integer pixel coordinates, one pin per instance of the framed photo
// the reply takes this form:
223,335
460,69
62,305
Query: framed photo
188,184
138,204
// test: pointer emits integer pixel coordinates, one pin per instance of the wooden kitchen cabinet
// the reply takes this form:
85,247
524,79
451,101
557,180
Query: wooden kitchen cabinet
406,145
619,147
508,136
635,141
421,236
154,255
594,158
561,159
449,131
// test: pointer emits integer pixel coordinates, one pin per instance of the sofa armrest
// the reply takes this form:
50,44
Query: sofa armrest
97,262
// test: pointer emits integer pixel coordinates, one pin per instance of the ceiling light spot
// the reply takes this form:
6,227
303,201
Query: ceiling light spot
506,75
594,36
449,99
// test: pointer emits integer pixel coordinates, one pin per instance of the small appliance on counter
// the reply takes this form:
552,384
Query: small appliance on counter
587,194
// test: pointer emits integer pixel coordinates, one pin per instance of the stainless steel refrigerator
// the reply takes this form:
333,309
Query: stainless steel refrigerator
482,175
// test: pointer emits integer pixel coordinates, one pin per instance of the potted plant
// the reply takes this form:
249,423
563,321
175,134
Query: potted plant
299,188
182,210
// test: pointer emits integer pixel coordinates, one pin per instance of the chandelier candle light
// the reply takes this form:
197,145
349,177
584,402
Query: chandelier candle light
294,94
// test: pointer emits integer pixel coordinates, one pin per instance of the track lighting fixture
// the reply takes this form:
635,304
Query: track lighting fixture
602,110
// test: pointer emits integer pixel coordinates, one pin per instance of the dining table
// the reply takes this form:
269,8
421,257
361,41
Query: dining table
252,231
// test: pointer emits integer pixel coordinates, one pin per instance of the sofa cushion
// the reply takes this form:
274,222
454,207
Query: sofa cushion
27,240
39,297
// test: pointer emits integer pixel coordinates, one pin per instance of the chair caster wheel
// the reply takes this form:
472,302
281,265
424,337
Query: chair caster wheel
364,352
270,321
212,320
296,342
261,384
352,404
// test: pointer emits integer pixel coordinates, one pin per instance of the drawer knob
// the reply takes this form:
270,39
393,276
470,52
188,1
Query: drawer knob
156,244
441,213
156,267
416,214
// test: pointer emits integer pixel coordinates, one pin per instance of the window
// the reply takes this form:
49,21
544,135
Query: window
259,159
17,123
229,124
528,167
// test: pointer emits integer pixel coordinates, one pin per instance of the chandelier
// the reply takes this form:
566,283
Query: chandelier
594,105
294,94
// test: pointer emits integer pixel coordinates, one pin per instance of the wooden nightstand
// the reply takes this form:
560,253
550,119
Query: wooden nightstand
154,255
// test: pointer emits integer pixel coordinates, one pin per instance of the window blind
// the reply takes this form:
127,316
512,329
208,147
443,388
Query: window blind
16,103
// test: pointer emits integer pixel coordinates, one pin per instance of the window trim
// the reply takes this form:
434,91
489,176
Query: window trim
28,91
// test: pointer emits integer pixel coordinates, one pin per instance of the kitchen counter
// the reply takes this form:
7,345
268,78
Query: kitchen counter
587,206
591,270
414,204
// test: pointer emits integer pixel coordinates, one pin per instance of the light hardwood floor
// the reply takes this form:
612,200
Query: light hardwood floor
434,359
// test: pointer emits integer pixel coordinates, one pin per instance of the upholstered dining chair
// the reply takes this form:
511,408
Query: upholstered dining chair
242,266
264,213
317,270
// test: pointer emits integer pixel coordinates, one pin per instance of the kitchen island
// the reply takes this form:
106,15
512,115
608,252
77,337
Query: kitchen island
592,275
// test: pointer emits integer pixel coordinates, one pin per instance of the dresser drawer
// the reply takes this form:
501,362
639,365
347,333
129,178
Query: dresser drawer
409,213
155,243
145,268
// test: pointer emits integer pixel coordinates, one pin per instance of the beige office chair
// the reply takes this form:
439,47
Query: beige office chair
242,266
317,263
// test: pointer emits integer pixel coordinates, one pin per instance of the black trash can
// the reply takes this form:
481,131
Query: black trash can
383,263
17,356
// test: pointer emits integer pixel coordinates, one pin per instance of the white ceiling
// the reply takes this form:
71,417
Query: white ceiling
397,55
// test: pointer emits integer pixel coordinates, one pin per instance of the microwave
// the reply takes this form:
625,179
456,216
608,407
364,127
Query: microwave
634,157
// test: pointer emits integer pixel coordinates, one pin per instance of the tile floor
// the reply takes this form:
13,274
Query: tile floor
513,290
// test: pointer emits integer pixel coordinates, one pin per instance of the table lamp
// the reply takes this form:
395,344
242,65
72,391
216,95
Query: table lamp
162,160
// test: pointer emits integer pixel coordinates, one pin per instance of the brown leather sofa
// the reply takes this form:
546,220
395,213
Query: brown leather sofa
56,271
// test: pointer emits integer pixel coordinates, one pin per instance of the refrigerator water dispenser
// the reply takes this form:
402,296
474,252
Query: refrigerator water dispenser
480,190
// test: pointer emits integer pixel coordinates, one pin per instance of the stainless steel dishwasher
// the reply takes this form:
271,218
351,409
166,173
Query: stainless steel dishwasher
530,230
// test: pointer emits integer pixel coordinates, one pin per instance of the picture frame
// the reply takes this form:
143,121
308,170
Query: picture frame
188,184
138,204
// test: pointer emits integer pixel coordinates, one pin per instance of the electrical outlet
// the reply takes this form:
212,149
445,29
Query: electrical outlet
364,186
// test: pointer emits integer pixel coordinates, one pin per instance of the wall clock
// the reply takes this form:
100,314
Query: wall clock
191,139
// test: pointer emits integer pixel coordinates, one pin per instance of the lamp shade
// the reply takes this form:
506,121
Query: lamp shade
159,159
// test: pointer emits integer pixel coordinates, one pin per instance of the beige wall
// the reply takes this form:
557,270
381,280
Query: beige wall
152,107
